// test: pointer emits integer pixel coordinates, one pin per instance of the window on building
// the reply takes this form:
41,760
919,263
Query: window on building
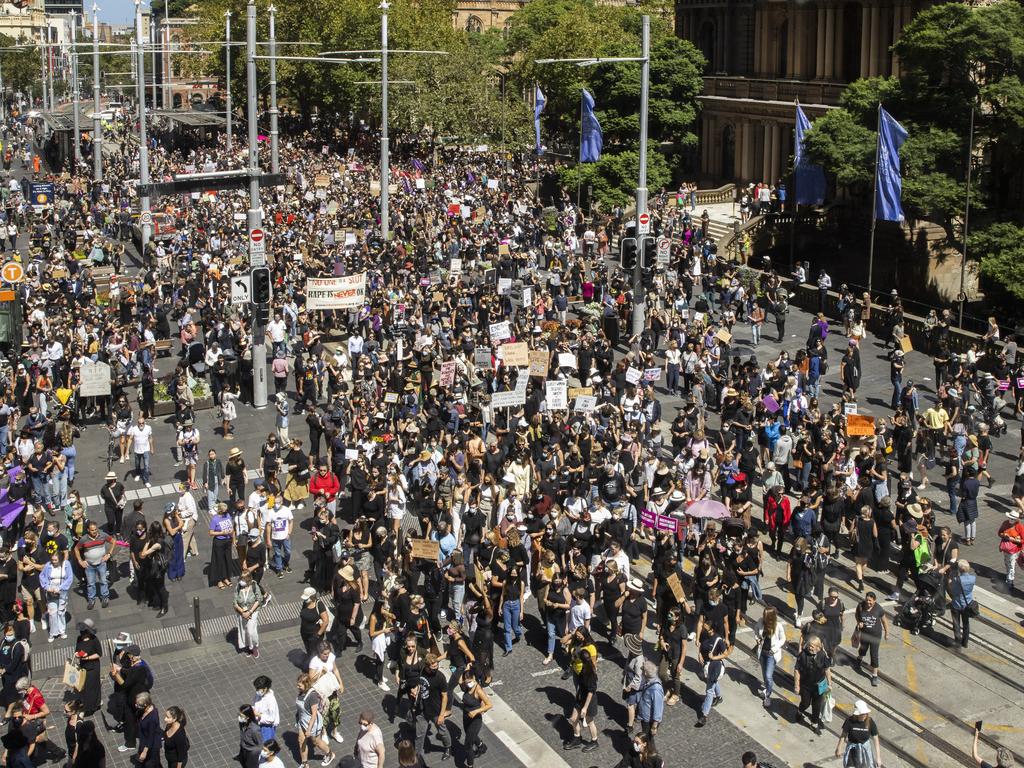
474,24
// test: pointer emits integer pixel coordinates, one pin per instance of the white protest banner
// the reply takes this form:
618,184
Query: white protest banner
504,286
633,375
556,393
652,374
566,360
335,292
455,267
95,380
421,183
508,399
447,373
527,296
849,409
500,331
492,183
585,404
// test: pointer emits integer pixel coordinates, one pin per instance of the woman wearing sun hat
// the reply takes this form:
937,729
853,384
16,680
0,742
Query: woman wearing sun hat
860,735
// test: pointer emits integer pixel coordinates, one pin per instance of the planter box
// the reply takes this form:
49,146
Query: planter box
166,407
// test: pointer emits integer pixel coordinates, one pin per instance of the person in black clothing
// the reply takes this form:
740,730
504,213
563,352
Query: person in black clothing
89,652
250,740
131,676
176,744
150,732
90,750
14,656
431,707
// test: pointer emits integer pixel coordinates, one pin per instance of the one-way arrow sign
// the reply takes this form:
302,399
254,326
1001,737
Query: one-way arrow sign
241,289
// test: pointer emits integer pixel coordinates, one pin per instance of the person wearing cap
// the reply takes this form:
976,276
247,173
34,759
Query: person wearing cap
1011,543
89,653
131,676
860,736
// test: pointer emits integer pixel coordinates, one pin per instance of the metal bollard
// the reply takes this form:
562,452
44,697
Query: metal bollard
197,629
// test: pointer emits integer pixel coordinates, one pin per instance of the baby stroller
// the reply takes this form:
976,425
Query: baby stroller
919,612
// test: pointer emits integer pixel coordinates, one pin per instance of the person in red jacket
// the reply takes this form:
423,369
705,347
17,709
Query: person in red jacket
326,482
777,512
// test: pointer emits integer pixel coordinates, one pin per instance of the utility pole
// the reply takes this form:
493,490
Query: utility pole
165,56
257,245
74,89
152,45
42,67
385,155
49,66
275,158
639,295
97,121
227,75
145,215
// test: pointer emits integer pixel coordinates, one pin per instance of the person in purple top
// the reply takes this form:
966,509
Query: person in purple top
223,532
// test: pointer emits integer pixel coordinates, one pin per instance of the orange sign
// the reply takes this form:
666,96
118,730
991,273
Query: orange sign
12,272
8,295
860,426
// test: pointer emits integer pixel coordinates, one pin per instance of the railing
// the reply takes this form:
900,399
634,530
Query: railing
724,194
774,90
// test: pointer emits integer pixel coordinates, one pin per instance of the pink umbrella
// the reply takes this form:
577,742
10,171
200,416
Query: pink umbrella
708,509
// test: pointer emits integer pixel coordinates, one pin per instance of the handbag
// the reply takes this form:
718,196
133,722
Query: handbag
973,609
823,686
855,638
74,675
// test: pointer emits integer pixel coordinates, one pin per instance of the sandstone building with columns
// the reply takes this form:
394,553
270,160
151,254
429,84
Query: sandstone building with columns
763,56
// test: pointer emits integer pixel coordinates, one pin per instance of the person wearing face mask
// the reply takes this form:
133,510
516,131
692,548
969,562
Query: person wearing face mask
150,733
642,754
369,748
250,740
264,704
14,661
269,755
475,703
431,706
176,744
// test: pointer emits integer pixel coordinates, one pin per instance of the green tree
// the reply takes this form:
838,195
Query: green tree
1000,249
21,68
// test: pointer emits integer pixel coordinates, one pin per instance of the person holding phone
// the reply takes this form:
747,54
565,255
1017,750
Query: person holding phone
1004,758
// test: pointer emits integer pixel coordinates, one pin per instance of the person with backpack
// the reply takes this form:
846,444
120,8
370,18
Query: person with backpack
713,652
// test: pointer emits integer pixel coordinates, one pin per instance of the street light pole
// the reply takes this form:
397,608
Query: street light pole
97,121
49,65
227,75
42,66
385,164
255,214
145,215
639,296
74,89
165,56
152,42
275,158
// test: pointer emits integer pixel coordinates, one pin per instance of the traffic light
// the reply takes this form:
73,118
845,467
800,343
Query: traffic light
261,288
648,253
627,253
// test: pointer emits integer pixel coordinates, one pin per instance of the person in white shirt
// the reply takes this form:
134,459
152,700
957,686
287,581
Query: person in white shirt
264,704
280,522
276,331
189,512
141,436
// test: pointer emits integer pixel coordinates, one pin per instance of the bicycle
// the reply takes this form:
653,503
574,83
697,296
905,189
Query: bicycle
113,447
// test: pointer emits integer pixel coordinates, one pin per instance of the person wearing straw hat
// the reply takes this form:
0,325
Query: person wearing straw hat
632,678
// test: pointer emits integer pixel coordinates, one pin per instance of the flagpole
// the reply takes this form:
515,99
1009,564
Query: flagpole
579,177
962,297
792,194
874,201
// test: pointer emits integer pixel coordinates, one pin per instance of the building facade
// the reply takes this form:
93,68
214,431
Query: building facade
765,55
481,15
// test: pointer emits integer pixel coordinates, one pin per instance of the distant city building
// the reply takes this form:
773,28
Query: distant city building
763,56
63,6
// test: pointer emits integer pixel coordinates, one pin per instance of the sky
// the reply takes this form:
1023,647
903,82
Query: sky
116,11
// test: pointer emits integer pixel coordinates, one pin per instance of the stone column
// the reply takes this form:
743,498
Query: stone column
799,41
790,42
876,31
865,40
737,152
728,54
748,152
839,44
776,152
766,152
758,41
819,39
830,34
897,28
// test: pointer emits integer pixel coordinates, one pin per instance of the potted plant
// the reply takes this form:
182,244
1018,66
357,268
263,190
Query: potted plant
164,404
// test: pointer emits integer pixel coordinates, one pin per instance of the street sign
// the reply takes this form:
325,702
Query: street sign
664,250
12,272
257,248
241,289
146,217
643,223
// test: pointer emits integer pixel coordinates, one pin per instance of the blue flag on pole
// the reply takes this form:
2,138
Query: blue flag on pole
591,138
888,181
538,106
808,177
